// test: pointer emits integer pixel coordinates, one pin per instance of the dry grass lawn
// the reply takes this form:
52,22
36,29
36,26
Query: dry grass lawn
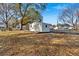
24,43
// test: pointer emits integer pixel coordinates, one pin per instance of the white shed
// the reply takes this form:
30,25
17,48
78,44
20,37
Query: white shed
39,27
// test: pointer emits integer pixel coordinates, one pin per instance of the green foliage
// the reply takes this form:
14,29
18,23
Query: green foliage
26,20
34,15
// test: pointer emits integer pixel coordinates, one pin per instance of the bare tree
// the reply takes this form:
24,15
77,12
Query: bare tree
70,15
6,13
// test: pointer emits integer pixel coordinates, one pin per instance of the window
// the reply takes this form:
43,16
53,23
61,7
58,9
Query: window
46,25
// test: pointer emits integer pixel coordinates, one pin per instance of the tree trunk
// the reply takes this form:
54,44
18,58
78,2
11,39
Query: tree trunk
6,26
21,24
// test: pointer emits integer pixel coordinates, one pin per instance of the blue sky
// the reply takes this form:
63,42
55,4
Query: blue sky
50,15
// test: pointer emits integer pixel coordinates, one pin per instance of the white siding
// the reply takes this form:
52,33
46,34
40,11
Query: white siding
45,27
36,27
39,27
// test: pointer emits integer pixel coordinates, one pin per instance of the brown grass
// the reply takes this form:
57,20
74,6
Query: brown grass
34,44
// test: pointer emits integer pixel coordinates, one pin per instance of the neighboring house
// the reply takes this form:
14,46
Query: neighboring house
2,26
12,23
50,27
18,26
39,27
64,27
55,27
